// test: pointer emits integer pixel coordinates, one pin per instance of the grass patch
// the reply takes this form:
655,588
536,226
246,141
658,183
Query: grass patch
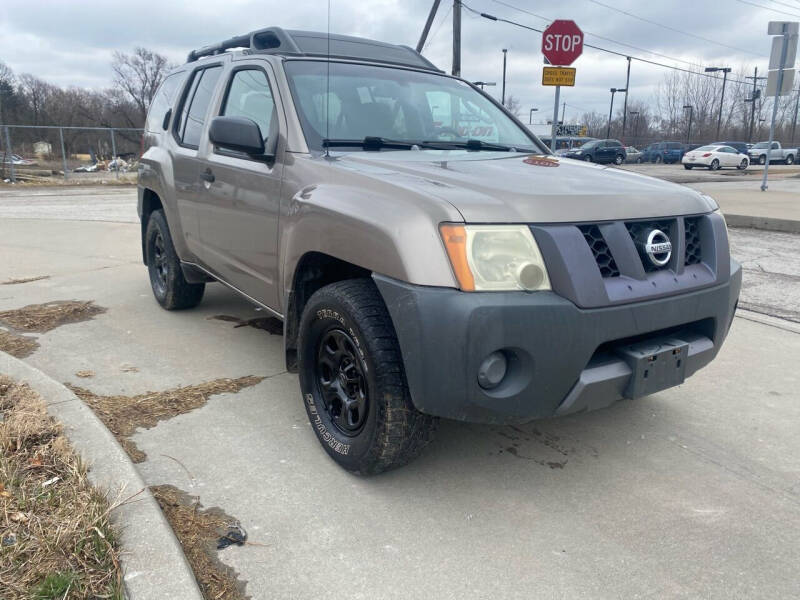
17,345
198,530
56,540
44,317
124,414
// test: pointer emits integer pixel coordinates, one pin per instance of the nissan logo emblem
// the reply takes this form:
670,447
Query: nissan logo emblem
658,248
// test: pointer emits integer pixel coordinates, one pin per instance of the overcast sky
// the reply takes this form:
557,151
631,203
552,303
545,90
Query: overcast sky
71,42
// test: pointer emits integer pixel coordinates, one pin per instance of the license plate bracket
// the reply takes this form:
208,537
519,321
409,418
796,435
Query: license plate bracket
655,365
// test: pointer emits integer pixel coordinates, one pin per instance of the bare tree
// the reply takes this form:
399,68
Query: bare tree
138,76
513,105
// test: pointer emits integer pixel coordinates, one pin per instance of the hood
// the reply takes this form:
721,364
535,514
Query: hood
498,187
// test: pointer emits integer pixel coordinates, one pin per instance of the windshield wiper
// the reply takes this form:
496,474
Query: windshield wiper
472,144
376,143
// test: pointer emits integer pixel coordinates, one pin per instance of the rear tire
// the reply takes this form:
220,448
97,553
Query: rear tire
353,381
687,167
658,159
170,287
714,166
618,159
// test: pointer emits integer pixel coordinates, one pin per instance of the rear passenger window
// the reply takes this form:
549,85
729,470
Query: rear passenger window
249,96
195,107
163,101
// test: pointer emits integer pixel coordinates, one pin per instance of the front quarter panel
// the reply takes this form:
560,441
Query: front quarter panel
387,231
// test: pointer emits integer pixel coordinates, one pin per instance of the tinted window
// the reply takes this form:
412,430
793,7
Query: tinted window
163,101
614,143
196,105
249,96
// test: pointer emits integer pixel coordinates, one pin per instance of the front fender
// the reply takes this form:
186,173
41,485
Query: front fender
392,236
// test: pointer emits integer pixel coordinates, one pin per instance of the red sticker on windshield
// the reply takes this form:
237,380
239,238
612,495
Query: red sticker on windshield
541,161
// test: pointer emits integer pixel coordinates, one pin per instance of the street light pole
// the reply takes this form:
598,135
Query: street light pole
689,129
505,54
530,115
611,108
635,113
794,121
725,71
625,107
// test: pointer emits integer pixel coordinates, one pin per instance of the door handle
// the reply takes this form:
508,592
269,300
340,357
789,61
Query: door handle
207,176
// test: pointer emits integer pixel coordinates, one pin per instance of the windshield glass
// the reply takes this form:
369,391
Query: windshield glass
395,104
706,148
761,145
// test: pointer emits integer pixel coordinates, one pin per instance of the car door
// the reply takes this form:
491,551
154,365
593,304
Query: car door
730,156
186,159
775,152
241,204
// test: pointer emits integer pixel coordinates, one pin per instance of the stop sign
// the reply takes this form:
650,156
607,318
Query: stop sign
562,42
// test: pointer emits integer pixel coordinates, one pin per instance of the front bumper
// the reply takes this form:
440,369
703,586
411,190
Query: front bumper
563,358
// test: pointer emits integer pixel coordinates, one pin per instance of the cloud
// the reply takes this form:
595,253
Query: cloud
72,42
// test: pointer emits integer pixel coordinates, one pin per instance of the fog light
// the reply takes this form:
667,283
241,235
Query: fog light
530,276
492,370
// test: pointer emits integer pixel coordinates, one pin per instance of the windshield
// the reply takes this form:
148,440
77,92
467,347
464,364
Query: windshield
761,145
395,104
589,145
706,149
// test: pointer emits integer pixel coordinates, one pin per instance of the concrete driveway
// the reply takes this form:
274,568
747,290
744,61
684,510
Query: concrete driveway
690,493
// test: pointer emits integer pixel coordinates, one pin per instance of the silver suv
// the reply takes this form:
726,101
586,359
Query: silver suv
427,255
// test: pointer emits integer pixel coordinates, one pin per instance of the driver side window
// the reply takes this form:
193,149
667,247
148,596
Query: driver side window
250,96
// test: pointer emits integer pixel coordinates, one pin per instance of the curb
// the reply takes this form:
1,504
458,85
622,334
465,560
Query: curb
766,223
153,564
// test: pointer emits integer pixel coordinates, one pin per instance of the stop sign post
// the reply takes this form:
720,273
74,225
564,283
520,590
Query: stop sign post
562,44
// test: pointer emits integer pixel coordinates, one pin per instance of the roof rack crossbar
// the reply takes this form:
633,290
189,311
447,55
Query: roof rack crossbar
260,39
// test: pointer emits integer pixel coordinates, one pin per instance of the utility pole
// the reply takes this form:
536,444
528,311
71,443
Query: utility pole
794,121
563,110
505,54
530,115
689,129
425,30
725,71
457,38
753,98
785,30
611,109
625,107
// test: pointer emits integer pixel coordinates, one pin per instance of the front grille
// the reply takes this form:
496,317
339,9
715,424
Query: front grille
693,248
639,230
602,254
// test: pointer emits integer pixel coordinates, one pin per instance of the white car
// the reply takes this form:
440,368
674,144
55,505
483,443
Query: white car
715,157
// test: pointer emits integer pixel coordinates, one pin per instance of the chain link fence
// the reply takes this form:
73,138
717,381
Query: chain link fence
36,153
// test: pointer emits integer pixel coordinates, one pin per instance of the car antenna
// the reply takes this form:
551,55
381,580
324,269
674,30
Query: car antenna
328,88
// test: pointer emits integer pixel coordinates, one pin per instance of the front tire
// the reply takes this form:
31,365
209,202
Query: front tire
762,160
588,158
658,160
744,164
353,381
789,159
687,167
170,287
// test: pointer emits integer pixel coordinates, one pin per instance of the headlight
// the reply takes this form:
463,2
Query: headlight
578,151
495,257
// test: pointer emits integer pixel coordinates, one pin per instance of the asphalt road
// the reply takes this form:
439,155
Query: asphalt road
694,492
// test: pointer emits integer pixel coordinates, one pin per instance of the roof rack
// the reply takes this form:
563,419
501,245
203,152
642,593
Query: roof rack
274,40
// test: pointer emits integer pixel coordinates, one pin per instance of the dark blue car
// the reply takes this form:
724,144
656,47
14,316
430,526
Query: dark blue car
663,152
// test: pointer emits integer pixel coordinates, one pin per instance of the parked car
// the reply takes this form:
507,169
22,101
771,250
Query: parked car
758,153
740,147
662,152
600,151
632,154
426,262
566,143
715,157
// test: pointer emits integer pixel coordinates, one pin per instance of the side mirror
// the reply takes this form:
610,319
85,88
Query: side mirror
237,133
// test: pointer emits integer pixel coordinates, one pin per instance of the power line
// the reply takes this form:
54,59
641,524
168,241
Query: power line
657,24
784,4
775,10
693,64
438,27
614,52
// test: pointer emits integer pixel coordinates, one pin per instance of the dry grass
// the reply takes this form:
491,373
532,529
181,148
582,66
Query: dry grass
19,280
44,317
124,414
198,531
57,541
17,345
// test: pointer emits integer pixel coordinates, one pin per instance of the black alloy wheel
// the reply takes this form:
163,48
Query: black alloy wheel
340,374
